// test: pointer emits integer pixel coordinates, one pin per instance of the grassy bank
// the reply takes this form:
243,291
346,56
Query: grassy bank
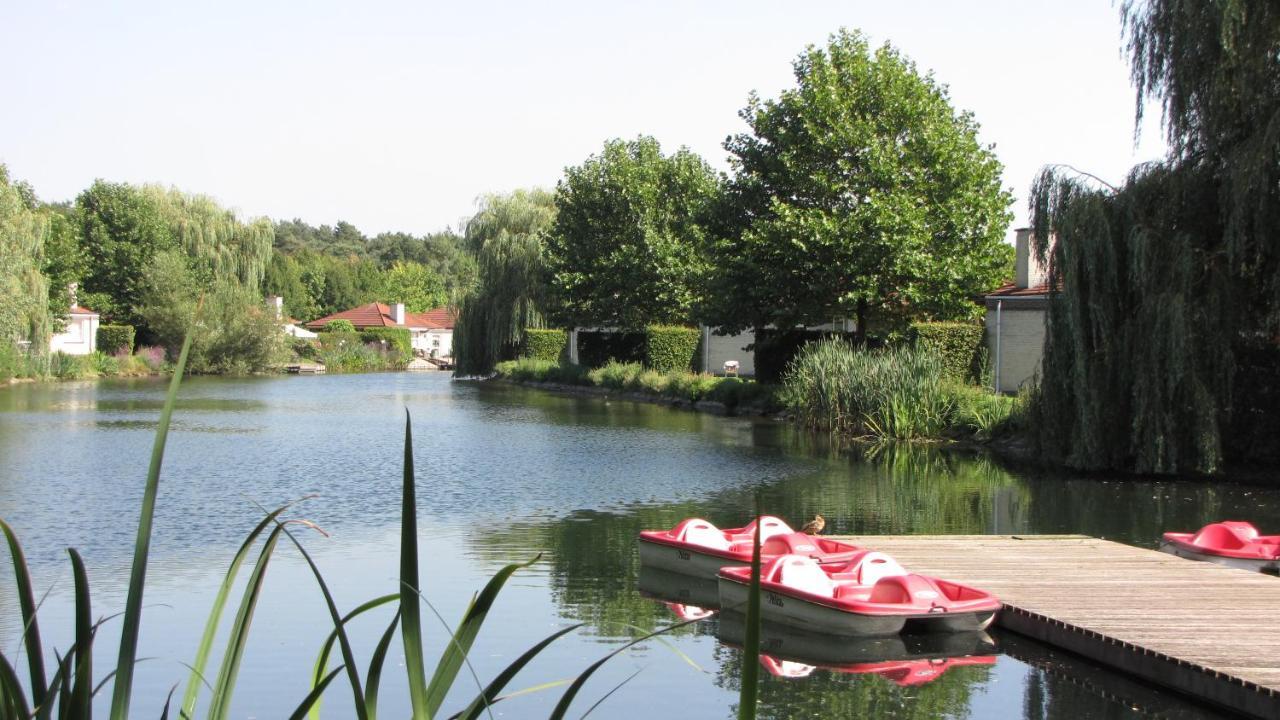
60,366
735,394
899,393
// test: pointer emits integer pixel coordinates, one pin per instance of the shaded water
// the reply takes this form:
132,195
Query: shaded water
505,473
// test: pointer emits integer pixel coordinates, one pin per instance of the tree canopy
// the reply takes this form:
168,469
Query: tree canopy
629,247
1160,354
506,236
859,193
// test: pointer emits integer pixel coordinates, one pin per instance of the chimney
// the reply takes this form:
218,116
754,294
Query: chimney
276,303
397,313
1027,270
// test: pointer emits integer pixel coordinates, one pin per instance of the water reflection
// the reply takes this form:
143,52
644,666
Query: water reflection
505,473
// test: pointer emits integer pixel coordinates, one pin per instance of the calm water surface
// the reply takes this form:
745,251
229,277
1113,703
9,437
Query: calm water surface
504,474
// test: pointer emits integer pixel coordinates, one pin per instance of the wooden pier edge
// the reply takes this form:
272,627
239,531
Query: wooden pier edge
1038,576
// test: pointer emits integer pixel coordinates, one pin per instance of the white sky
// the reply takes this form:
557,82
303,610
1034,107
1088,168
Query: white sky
397,115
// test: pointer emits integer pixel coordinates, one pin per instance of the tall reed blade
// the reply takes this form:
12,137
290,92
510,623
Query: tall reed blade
12,700
490,693
188,708
31,632
122,691
322,660
456,652
751,642
410,610
374,676
220,702
566,700
82,689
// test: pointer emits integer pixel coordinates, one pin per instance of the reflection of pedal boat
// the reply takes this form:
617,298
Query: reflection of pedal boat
900,672
869,595
825,650
674,587
1231,543
696,547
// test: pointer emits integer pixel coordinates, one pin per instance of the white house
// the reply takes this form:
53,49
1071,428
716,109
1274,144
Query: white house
288,325
80,337
431,332
1015,319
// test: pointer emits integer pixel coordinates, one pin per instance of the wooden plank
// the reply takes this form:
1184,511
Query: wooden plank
1195,627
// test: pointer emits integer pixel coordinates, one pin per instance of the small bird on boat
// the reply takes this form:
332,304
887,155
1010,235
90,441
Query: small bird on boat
814,526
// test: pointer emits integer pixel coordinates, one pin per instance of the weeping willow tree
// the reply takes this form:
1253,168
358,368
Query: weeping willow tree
507,236
218,241
1163,285
24,290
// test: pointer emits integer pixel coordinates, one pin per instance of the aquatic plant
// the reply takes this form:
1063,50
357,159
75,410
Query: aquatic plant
895,392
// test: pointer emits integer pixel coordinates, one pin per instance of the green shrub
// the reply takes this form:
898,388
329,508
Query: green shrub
616,375
111,338
670,347
959,345
337,339
894,392
102,364
339,326
70,367
775,349
397,338
545,344
8,361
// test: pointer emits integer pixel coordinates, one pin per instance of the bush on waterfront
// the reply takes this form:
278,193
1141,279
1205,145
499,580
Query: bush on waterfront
670,347
895,392
984,413
360,357
958,345
8,361
111,338
338,326
545,344
398,339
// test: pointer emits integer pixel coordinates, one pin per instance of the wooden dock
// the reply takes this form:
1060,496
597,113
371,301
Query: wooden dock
1201,629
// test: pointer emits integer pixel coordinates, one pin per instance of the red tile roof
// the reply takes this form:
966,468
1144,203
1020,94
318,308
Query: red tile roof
77,309
1011,290
379,315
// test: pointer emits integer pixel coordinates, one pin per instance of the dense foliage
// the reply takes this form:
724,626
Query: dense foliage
670,347
507,237
958,345
545,344
112,338
398,339
1164,283
629,247
24,291
339,326
860,193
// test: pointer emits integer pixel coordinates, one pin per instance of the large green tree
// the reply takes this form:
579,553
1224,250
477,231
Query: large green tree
859,193
415,285
629,247
507,238
1160,354
24,291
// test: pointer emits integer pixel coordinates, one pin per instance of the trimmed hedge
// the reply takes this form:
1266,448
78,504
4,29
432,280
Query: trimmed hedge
544,344
111,338
332,339
398,338
670,347
338,326
959,345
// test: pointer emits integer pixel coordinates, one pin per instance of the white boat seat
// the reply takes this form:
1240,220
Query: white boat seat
804,573
704,534
876,565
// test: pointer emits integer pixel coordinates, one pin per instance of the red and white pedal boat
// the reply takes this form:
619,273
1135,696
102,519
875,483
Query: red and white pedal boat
1232,543
867,596
696,547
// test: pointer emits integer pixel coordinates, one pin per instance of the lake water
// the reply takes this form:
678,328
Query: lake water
506,473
